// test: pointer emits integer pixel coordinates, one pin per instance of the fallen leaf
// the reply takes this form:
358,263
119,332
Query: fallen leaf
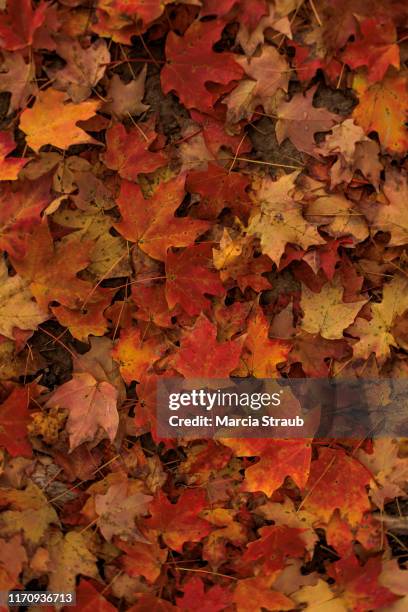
280,219
255,594
299,120
180,522
136,354
84,68
69,557
126,98
337,480
129,152
14,420
262,354
151,222
268,73
218,358
9,166
117,510
326,313
90,404
375,335
19,24
375,48
192,63
51,269
26,510
382,108
18,308
189,277
53,120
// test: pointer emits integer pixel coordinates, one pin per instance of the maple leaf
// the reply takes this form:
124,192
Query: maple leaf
319,597
219,189
126,98
376,48
192,63
337,480
255,595
88,599
236,259
299,120
14,419
312,351
117,511
382,108
268,72
354,152
17,306
274,545
128,152
152,305
142,559
388,216
278,459
91,404
280,220
326,313
84,67
189,276
204,460
90,319
390,472
215,599
20,213
51,270
12,557
27,510
69,557
135,354
109,254
180,522
18,25
257,18
228,530
53,120
262,354
17,78
151,222
376,335
9,166
287,515
218,358
216,136
147,11
361,589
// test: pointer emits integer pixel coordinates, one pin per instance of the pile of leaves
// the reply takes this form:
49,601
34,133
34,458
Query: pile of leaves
199,188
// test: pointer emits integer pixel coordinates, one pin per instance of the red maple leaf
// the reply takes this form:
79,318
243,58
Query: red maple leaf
180,522
151,222
14,418
192,63
200,354
219,189
189,277
19,23
129,152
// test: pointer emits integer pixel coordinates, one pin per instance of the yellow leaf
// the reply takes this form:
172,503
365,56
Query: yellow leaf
28,511
375,335
280,219
325,313
383,108
53,121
